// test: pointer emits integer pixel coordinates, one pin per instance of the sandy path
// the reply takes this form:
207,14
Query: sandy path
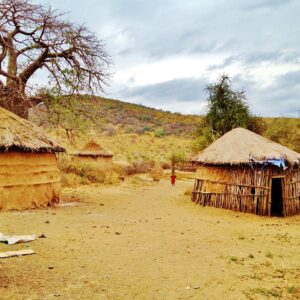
149,242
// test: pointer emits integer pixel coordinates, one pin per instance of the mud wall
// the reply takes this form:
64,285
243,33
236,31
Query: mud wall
28,180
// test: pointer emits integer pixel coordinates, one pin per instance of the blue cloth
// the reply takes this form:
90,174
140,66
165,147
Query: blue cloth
277,162
280,163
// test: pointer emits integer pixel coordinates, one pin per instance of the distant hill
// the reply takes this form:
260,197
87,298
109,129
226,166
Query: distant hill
115,115
140,127
134,118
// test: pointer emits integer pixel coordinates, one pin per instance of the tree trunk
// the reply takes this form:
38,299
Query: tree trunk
12,95
12,100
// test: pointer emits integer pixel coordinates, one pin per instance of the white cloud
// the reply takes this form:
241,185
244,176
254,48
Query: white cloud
167,69
153,42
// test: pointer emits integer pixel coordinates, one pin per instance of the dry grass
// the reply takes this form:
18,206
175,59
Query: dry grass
130,147
77,172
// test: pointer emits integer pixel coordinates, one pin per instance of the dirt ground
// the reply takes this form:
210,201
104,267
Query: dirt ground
142,240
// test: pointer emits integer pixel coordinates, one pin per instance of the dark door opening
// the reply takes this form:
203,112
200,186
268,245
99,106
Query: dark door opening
277,206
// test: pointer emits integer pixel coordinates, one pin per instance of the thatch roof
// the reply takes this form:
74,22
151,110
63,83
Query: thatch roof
17,134
240,146
93,149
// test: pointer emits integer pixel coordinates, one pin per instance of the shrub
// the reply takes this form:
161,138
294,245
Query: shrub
157,172
269,254
110,131
147,129
139,130
159,133
146,118
235,259
138,167
258,125
165,165
89,172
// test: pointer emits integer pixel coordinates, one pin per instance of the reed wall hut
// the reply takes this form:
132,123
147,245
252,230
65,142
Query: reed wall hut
93,152
245,172
29,175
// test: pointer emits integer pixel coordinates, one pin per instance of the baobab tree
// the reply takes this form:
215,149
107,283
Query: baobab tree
35,37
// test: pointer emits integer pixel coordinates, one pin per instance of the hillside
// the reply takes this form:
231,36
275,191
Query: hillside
133,118
135,132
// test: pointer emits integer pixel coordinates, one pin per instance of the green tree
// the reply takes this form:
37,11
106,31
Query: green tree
177,157
227,108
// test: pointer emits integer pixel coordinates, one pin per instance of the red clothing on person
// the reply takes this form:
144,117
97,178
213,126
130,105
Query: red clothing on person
173,178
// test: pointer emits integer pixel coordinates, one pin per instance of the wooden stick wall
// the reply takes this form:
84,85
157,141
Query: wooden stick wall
246,189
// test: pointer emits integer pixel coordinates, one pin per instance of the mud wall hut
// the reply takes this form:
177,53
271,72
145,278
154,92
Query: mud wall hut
245,172
93,152
29,175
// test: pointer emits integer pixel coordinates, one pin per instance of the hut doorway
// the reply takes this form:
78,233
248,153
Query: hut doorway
277,206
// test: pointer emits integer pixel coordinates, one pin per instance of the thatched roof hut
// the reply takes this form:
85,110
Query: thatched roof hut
29,175
94,152
247,172
21,135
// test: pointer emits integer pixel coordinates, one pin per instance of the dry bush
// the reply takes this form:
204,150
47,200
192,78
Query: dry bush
157,172
88,172
138,167
165,165
72,180
110,131
139,130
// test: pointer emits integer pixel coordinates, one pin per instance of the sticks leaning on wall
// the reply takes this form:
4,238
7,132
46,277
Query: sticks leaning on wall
245,189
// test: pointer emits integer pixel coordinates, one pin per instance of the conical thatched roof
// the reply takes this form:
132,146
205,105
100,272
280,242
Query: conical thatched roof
94,149
240,145
20,135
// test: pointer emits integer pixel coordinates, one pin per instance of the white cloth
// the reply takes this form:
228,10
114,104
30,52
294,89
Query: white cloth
14,239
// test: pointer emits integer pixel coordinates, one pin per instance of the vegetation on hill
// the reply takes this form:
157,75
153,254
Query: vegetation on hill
117,116
285,131
109,116
138,133
141,138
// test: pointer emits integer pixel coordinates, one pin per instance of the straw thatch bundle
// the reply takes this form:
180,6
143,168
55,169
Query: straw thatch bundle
240,145
93,149
20,135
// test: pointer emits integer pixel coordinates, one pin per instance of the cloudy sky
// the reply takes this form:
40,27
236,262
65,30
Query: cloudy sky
165,52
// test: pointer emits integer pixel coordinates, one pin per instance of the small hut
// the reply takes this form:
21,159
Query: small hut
93,152
245,172
29,175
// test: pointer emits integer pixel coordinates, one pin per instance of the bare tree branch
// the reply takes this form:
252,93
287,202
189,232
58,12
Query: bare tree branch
33,37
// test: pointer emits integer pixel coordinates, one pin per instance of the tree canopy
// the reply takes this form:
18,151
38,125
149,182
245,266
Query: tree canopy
227,108
35,37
